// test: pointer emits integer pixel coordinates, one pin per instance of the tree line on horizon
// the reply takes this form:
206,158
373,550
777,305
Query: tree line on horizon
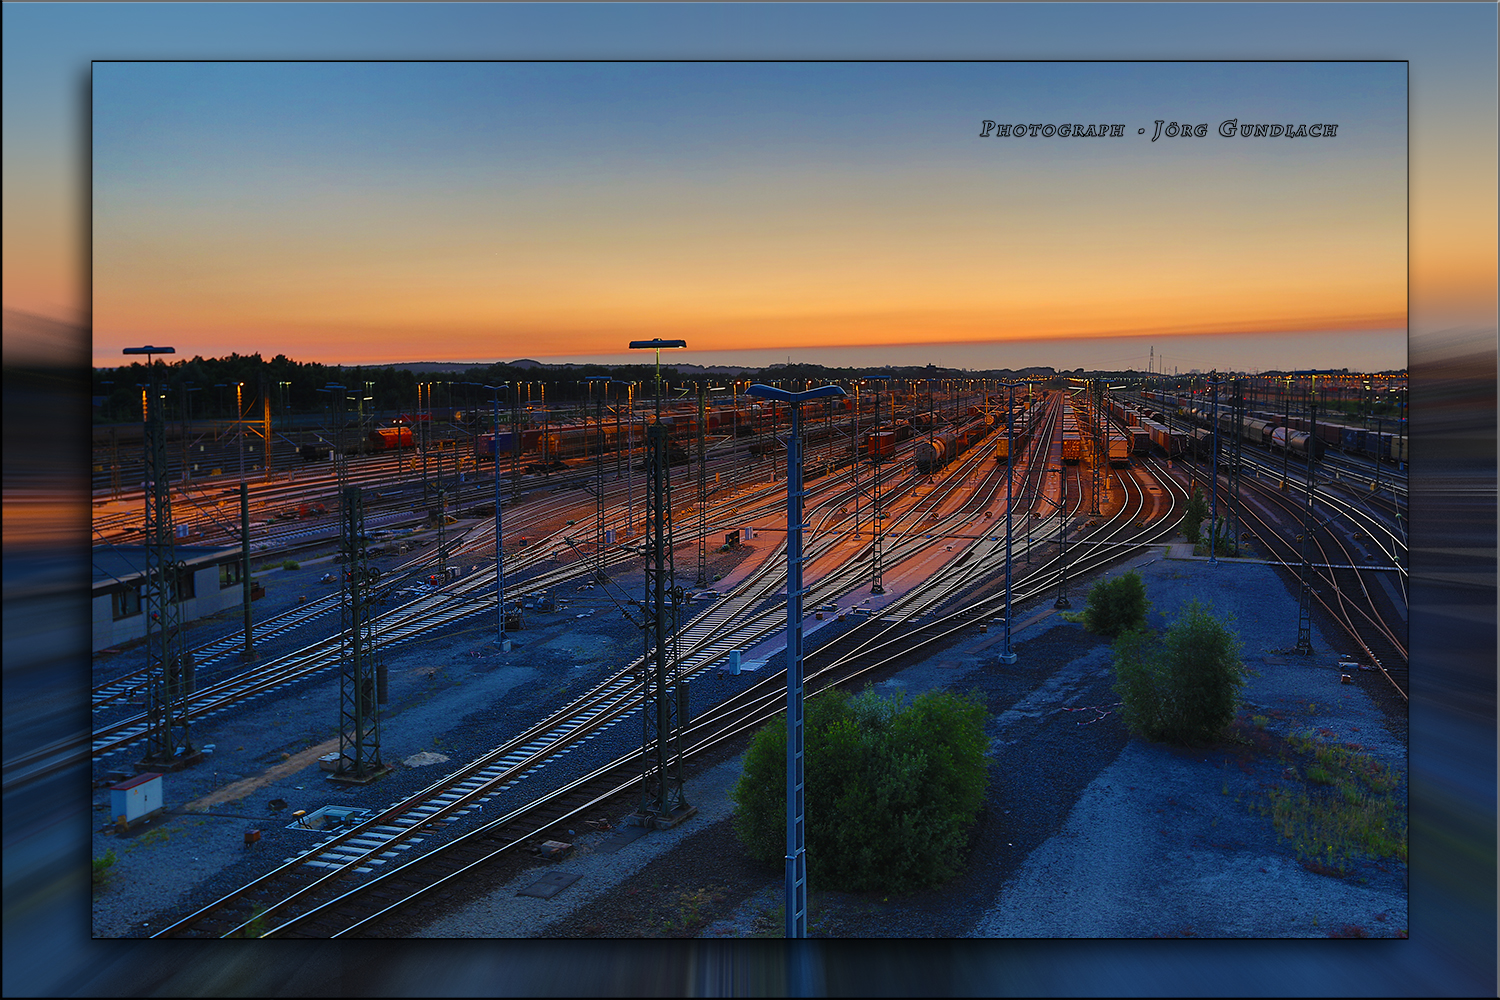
204,388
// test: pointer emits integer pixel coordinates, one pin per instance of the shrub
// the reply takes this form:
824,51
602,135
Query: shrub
1222,537
291,564
891,789
1193,515
101,867
1118,605
1183,687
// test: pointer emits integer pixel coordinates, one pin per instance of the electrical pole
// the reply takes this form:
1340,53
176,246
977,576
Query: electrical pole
877,513
1304,597
1007,655
664,710
1096,478
1234,519
246,590
362,680
265,426
1213,502
169,665
796,843
702,486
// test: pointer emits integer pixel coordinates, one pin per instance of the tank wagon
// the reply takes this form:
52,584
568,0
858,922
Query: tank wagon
935,452
1297,442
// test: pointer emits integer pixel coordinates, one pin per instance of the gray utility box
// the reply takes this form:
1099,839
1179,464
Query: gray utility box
137,798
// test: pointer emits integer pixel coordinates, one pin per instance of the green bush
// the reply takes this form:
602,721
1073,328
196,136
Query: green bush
291,564
1193,515
1183,687
891,789
1118,605
101,867
1223,540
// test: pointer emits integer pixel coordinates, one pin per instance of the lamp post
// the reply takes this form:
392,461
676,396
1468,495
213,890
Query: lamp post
796,847
499,543
662,797
168,662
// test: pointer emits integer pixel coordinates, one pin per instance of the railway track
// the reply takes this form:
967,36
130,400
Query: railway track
400,625
1346,577
295,908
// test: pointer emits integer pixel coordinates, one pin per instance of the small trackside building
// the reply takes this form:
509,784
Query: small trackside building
208,581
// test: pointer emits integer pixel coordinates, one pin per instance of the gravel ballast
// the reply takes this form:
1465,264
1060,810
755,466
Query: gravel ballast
1086,832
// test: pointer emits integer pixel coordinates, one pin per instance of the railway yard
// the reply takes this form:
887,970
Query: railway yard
498,751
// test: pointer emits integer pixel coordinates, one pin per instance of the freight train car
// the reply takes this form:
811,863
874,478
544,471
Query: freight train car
1258,432
1119,450
1200,442
1071,446
1170,440
935,452
1297,442
1140,439
484,444
880,444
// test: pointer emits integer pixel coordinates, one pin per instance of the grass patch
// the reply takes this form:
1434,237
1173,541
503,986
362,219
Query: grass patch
291,564
101,866
156,836
1345,810
693,910
257,925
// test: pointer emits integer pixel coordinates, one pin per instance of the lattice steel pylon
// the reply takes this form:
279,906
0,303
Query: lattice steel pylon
361,681
1233,512
877,510
702,487
1096,473
664,701
1304,599
441,496
600,576
169,665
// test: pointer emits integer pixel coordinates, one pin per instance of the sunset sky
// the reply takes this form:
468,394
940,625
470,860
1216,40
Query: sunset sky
838,212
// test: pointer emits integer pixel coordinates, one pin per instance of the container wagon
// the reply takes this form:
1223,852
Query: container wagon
881,444
1070,446
1170,440
389,438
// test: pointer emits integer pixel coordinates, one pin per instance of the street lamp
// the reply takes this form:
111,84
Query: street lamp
796,847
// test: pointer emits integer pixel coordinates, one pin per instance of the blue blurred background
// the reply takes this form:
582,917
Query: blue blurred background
47,53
